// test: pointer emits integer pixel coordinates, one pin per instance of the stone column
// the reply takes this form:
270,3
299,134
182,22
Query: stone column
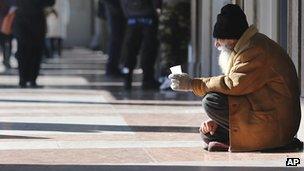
194,38
250,9
302,48
205,35
300,134
267,18
293,34
79,30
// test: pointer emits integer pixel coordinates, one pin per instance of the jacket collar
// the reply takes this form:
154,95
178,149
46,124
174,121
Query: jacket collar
240,45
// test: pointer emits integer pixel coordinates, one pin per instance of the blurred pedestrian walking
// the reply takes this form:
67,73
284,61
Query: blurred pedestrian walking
141,36
116,27
58,18
30,29
7,15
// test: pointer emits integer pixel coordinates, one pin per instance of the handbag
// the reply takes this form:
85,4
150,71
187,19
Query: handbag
7,24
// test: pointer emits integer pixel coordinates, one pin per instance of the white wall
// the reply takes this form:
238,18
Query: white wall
292,29
206,40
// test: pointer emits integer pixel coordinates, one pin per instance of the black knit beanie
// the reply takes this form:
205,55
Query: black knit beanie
231,23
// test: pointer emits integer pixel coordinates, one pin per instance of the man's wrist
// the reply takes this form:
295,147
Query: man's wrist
196,86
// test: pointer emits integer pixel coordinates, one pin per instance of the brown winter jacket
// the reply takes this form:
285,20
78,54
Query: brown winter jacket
263,93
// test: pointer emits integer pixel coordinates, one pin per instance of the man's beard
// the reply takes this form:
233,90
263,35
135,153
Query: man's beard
224,58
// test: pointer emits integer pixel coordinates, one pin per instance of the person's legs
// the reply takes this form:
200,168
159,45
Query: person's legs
216,107
56,46
7,51
59,46
116,32
2,44
47,48
130,51
53,46
23,56
36,45
35,60
149,54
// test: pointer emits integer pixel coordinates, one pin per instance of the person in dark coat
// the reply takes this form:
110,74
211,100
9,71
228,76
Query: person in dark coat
6,7
116,26
141,36
30,29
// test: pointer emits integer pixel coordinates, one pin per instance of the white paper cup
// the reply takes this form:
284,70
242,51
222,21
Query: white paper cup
176,69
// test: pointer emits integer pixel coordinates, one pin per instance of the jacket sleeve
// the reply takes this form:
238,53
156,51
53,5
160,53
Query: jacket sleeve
246,76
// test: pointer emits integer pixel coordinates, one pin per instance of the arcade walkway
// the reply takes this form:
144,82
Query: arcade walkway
82,120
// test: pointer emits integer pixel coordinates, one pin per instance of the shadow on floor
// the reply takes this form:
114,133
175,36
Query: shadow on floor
92,128
134,168
99,103
20,137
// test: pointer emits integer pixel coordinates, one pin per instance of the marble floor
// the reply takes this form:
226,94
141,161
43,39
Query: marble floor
82,120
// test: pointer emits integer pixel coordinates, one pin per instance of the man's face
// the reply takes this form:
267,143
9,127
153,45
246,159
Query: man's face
225,46
225,43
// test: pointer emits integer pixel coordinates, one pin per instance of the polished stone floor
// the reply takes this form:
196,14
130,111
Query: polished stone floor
82,118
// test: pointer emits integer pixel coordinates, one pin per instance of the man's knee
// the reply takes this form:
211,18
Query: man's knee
215,100
206,99
215,103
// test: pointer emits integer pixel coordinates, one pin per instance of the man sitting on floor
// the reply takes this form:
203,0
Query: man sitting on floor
255,104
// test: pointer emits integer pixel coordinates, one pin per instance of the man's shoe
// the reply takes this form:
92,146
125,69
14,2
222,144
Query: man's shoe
215,146
22,85
35,85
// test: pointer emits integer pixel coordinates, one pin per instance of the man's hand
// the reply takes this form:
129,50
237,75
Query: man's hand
180,82
208,126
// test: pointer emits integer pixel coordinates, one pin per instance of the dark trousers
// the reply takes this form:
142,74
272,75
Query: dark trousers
53,45
6,46
30,38
141,38
116,27
217,108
